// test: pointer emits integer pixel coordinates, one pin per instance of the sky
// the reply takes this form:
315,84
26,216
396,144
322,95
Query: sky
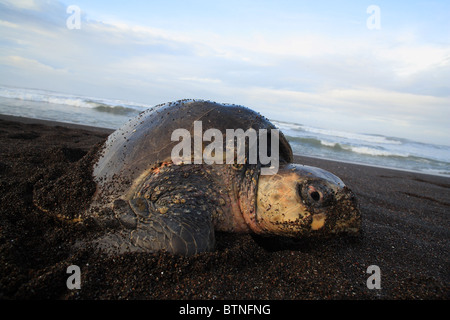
380,67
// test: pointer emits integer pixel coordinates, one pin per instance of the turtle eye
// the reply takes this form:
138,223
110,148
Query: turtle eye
314,194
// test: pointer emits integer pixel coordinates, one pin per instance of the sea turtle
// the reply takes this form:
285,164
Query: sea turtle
161,204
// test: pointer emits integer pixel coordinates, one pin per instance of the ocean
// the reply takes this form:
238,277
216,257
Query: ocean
325,143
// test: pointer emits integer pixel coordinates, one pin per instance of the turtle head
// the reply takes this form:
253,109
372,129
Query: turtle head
302,201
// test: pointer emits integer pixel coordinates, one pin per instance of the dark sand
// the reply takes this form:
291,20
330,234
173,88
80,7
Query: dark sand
45,183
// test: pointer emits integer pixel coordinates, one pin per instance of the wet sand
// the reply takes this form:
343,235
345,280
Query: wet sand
45,183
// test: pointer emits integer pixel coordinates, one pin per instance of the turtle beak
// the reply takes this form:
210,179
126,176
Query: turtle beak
347,216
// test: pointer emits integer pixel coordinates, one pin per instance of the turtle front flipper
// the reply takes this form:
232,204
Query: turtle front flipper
150,228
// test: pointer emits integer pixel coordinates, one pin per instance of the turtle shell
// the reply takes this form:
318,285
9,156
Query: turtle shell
145,141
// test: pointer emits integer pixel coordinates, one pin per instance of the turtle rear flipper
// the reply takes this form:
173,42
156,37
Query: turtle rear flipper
148,229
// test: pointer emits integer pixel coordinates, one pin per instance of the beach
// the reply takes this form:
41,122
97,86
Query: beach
45,183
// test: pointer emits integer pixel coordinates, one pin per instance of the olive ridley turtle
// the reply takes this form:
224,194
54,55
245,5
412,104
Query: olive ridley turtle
159,203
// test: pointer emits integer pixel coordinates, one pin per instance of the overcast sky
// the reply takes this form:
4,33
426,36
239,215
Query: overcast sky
330,64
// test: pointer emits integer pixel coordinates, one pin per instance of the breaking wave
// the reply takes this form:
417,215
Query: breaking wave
118,107
340,147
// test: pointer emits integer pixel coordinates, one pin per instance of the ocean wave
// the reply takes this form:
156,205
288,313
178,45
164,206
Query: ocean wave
296,128
376,152
353,136
390,156
119,110
287,125
363,150
340,147
118,107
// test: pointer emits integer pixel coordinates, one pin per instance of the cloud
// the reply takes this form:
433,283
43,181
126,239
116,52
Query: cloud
412,59
200,80
30,64
8,24
23,4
